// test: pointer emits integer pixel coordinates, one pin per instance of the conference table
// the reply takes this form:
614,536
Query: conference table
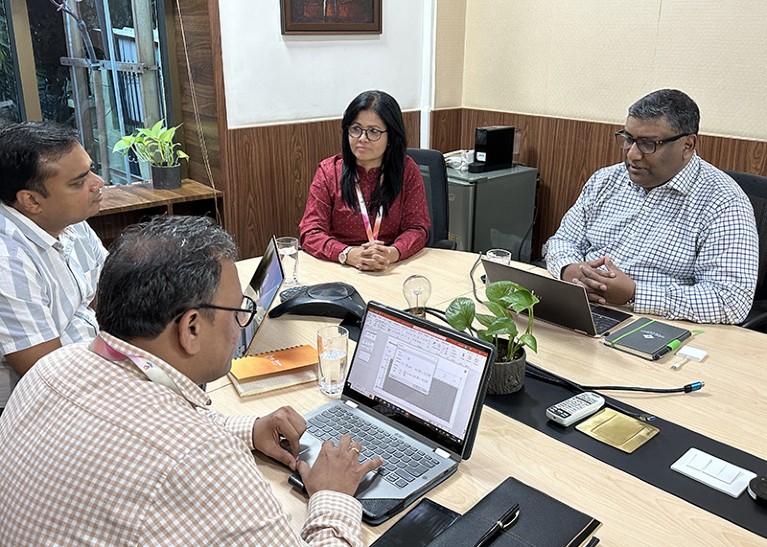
731,408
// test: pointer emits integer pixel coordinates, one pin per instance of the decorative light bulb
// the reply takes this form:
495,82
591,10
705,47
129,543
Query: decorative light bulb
417,290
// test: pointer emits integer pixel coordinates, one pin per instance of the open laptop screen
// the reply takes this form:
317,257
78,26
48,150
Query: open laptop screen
263,287
430,378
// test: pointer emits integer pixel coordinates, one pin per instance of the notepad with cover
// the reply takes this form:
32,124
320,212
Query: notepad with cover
263,372
543,521
648,338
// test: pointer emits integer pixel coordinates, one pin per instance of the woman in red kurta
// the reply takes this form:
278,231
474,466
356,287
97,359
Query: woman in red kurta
367,206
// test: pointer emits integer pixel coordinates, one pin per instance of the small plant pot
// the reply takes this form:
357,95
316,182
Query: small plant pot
166,178
507,376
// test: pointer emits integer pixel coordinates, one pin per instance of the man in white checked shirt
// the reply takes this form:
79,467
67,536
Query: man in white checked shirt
663,230
112,442
50,258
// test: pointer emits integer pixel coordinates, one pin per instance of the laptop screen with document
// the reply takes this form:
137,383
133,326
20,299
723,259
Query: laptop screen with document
418,375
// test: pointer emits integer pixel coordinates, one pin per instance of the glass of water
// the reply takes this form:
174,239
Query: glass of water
332,350
288,249
502,256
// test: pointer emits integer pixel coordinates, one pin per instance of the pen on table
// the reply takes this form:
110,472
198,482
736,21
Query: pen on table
507,520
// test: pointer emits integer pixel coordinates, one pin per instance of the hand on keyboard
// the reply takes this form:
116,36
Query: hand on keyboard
337,467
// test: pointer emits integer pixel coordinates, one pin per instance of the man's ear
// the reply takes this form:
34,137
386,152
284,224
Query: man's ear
690,141
28,202
190,327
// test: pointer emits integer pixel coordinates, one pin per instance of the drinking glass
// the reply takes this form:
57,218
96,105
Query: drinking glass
502,256
288,249
332,350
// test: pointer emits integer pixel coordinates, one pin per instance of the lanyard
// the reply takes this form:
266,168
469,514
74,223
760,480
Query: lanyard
155,374
372,232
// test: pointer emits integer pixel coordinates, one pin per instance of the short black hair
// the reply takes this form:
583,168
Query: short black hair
158,269
25,148
678,108
393,166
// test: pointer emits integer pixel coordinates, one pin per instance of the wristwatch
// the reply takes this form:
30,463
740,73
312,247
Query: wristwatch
344,254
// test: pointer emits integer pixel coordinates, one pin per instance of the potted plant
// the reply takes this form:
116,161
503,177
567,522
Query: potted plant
155,146
504,299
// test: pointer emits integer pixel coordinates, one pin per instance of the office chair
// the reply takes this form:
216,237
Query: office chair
434,172
755,187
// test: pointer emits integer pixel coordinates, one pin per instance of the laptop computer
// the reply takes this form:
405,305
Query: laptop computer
263,288
561,303
416,386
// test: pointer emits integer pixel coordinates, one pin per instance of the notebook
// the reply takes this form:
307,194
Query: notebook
561,303
254,374
416,384
542,521
263,287
648,338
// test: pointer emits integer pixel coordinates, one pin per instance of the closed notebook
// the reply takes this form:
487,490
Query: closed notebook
252,367
543,521
648,338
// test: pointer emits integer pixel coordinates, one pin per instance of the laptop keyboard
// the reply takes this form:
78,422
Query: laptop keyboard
402,462
603,323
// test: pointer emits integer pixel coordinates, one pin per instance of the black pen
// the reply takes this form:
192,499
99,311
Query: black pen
507,520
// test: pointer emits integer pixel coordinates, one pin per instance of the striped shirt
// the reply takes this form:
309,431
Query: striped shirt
46,285
690,245
94,453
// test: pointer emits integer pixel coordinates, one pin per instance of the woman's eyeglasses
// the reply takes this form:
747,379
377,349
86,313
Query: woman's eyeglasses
356,131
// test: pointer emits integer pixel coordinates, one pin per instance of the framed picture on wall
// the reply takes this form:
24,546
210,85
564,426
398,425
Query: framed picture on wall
331,16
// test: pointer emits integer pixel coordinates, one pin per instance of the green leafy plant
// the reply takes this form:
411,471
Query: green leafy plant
504,299
154,145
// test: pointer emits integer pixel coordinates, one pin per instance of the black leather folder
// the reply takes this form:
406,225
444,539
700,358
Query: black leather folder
543,521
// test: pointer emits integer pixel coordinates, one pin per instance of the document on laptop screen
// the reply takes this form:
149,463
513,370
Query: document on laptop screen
419,373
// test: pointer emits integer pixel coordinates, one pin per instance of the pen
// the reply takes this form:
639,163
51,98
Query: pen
507,520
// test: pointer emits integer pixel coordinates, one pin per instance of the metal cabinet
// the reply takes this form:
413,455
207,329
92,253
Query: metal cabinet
493,210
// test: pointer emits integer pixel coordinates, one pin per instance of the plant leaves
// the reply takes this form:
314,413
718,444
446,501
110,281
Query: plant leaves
460,313
499,310
503,325
529,340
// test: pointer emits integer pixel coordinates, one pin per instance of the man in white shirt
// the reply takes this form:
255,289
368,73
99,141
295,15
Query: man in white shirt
50,259
112,442
663,230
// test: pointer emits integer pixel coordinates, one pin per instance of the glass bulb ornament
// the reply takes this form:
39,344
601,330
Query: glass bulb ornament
417,290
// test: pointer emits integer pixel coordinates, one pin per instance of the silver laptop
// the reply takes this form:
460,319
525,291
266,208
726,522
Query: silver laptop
263,288
561,303
413,396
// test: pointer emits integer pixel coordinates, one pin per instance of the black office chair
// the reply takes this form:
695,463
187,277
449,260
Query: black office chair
434,172
755,187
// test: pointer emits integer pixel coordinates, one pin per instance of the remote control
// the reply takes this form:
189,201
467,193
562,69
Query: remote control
575,408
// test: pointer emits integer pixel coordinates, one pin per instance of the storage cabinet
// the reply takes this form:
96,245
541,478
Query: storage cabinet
493,210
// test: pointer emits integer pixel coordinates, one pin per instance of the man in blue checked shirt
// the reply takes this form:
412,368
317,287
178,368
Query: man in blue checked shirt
663,230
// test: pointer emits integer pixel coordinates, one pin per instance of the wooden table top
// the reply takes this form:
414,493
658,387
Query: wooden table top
732,408
118,199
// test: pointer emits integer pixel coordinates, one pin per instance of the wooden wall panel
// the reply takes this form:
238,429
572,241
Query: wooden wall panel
205,61
270,169
566,152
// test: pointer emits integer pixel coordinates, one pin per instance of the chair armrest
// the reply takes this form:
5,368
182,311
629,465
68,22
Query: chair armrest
445,244
757,322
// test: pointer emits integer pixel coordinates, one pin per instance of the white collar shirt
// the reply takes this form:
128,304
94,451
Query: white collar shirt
46,286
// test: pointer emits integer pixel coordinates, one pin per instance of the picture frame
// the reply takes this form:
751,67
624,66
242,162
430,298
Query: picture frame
330,16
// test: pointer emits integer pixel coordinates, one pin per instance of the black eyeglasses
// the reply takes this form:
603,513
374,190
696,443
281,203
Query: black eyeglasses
646,146
244,315
356,131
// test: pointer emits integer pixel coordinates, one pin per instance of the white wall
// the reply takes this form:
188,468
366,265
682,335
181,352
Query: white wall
591,60
270,78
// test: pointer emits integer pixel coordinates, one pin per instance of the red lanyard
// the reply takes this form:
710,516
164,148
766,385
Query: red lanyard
102,348
372,232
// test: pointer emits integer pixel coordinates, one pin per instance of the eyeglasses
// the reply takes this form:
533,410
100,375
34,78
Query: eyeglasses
355,132
244,315
646,146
